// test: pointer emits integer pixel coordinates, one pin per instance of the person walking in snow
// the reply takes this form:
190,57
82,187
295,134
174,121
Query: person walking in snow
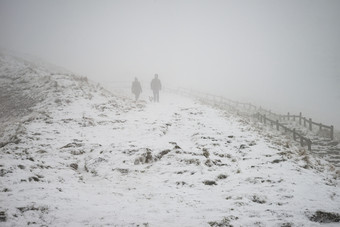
136,88
156,86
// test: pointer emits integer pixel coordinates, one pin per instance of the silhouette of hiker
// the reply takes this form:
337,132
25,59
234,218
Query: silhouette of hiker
156,86
136,88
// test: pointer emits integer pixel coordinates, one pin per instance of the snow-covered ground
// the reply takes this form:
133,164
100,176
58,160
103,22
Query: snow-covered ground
85,157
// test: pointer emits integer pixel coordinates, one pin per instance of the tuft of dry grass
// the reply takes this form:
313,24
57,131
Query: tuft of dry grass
206,153
222,176
209,182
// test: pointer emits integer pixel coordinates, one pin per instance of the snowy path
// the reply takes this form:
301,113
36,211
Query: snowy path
98,161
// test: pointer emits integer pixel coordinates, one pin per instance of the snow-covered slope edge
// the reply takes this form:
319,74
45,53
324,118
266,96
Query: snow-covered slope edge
28,89
83,157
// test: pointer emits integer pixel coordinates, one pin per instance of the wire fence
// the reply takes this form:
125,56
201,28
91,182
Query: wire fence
262,115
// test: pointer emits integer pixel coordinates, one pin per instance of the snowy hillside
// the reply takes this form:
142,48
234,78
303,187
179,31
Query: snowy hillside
73,154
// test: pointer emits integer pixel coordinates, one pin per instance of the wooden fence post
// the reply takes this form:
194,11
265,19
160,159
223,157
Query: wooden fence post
304,121
294,134
300,116
309,143
264,119
277,125
332,132
310,124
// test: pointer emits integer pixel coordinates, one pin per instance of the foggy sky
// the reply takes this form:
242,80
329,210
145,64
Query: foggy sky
283,55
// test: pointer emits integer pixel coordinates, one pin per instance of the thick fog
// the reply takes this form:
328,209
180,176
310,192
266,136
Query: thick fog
282,55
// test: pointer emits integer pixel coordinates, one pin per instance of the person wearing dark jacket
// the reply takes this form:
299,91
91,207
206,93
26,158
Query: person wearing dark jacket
136,88
156,86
